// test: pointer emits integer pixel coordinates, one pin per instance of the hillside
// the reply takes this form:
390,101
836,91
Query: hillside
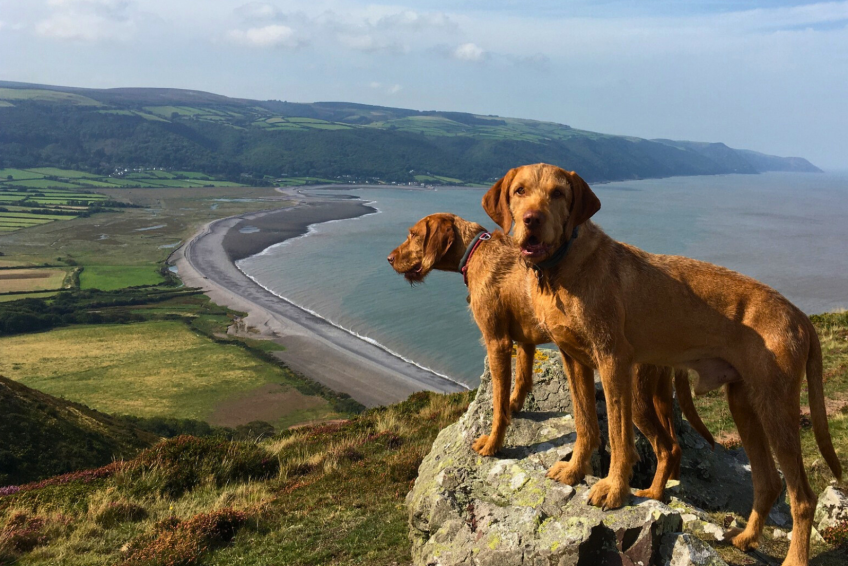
45,436
101,130
328,494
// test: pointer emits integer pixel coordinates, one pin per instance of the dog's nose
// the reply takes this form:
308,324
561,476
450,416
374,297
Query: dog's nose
391,258
532,218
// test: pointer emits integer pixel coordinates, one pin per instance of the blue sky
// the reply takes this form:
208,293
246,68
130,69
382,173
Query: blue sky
770,76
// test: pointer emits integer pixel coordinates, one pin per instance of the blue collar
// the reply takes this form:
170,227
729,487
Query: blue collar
558,256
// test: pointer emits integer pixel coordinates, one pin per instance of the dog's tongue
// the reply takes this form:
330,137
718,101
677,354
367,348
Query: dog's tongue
534,250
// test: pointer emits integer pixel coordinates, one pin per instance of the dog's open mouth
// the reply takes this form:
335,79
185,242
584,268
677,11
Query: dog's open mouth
533,248
414,274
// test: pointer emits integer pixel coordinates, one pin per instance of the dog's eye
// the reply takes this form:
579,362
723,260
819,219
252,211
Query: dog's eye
519,191
558,194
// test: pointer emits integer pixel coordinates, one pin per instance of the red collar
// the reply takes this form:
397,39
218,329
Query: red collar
472,247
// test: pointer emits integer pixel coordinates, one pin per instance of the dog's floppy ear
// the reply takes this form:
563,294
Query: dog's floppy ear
437,240
584,203
496,202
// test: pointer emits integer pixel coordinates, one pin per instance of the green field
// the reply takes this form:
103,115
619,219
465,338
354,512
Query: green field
61,172
34,279
18,174
42,184
438,179
17,296
27,215
110,277
67,189
300,181
153,369
12,94
54,178
32,202
112,247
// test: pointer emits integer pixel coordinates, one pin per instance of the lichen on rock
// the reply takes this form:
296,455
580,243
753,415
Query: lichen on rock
468,509
832,509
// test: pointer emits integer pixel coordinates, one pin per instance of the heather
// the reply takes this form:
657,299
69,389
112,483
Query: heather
330,493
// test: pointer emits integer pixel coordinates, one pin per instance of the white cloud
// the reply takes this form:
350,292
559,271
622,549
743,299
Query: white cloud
469,52
388,89
258,11
92,4
274,35
364,42
370,43
415,21
88,20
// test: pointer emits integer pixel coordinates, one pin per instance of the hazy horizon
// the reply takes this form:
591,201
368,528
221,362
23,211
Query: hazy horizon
767,76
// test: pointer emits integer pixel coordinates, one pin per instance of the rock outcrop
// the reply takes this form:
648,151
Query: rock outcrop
832,509
467,509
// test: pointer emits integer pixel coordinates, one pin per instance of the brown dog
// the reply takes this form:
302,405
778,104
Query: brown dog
497,283
610,305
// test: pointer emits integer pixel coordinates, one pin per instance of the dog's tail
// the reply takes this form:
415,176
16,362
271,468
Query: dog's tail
687,406
818,412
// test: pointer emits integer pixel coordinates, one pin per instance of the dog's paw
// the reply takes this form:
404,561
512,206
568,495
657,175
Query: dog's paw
515,406
649,494
566,472
743,540
484,447
609,494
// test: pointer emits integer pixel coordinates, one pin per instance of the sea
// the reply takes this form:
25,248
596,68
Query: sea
788,230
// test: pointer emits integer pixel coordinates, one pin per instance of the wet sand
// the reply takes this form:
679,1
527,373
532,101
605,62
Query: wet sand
242,241
314,347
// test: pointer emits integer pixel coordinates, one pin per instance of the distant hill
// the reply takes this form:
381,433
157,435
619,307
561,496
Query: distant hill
44,436
103,129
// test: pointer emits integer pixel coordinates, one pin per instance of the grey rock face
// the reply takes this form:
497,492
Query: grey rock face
467,509
832,509
681,549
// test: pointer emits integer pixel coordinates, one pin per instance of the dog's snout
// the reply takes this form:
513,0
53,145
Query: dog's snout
532,218
391,258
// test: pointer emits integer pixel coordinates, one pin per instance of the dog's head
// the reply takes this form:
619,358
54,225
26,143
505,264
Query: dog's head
428,241
545,202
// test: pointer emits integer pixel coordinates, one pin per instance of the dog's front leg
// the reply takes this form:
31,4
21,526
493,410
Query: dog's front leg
581,381
500,365
523,376
613,491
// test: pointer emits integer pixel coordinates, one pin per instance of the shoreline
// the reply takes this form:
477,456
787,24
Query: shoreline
336,357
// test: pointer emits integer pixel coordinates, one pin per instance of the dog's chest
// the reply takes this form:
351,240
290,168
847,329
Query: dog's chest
561,320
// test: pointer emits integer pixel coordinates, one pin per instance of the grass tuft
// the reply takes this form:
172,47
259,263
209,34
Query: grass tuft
113,513
183,543
178,465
